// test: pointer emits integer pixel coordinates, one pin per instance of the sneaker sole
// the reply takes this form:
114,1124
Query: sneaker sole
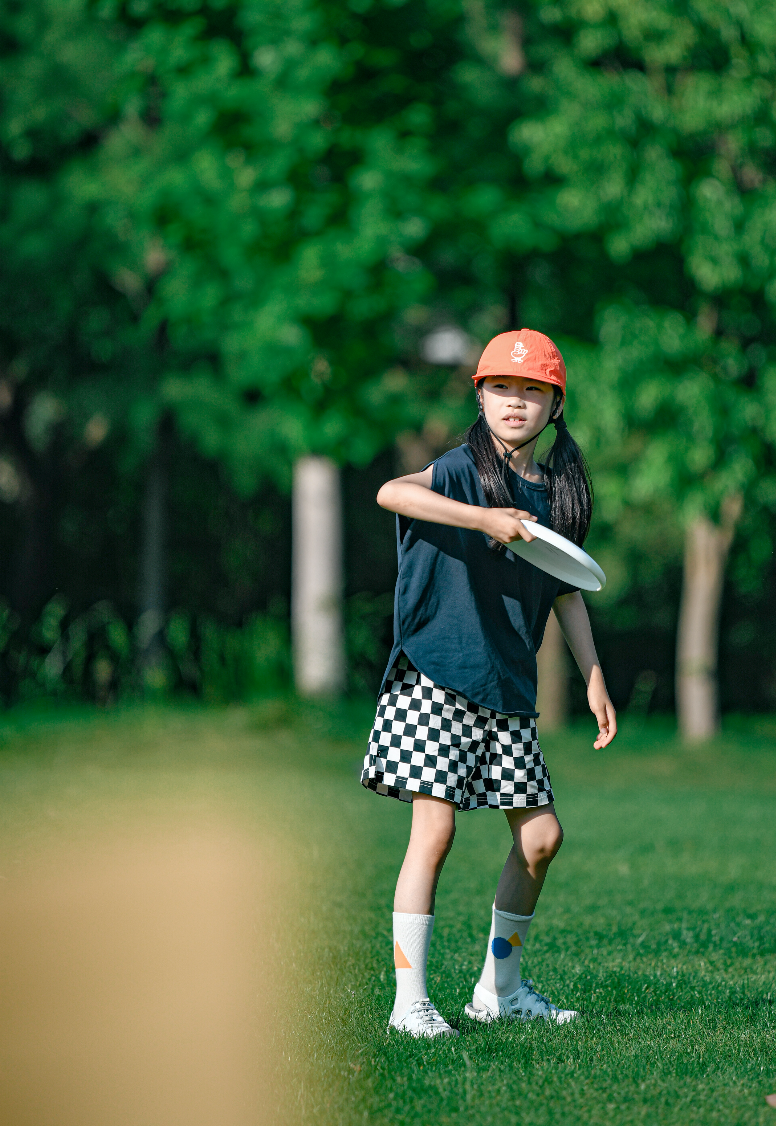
421,1035
485,1016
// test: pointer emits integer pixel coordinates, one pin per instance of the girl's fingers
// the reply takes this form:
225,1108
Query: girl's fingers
607,726
509,525
522,531
612,714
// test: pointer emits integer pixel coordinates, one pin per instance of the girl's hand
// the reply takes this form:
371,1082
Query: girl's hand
571,612
505,524
603,710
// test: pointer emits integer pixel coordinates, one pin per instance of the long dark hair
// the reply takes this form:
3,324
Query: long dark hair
566,477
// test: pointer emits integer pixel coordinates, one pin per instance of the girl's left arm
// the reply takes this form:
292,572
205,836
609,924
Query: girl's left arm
571,612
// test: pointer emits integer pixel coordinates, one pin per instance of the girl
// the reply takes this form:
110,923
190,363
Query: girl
455,725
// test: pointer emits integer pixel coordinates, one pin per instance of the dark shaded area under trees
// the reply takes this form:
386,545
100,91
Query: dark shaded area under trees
229,559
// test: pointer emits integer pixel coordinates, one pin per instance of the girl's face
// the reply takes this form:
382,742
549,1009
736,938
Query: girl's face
516,409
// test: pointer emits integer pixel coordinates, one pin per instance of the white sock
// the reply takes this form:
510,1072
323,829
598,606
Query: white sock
501,972
411,940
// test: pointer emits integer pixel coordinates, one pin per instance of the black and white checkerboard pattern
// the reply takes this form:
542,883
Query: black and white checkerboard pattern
429,740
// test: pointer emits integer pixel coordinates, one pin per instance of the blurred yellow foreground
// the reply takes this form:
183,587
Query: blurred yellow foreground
141,939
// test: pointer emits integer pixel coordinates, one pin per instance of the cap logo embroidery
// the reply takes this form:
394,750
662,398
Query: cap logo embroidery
519,352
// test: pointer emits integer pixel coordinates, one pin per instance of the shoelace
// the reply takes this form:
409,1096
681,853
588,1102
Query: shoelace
534,997
427,1013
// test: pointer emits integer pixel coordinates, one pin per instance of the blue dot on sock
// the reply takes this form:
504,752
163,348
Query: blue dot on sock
501,948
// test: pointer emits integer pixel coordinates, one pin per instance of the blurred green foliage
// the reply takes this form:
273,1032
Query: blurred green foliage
91,655
247,215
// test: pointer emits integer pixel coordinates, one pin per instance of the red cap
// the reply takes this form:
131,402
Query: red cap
523,352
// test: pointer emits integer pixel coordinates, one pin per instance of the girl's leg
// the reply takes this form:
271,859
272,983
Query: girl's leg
431,838
537,836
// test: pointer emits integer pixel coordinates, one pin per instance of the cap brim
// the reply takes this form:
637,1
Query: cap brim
510,374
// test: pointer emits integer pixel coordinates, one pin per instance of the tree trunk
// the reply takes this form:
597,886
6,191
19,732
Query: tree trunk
552,701
152,593
316,599
706,549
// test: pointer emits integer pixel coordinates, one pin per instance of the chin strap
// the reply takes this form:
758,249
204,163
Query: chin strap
559,423
507,455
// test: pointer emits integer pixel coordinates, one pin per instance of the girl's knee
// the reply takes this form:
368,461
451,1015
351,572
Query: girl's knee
548,843
435,841
433,826
543,842
553,841
440,838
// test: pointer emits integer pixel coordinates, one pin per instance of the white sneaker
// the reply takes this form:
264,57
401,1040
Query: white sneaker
525,1004
422,1020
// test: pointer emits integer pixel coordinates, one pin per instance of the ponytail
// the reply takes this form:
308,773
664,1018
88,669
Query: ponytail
569,487
566,478
490,465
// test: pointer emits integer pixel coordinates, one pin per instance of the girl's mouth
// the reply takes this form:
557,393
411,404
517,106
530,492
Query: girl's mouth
514,420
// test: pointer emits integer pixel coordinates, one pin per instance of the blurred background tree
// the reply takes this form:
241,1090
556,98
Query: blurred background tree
244,236
654,136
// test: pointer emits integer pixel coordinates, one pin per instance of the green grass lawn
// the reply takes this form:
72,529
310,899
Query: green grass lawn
658,919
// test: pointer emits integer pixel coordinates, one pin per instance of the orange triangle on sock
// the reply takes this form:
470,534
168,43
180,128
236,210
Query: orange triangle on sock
515,940
400,959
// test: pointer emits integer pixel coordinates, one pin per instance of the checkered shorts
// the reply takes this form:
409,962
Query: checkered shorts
429,740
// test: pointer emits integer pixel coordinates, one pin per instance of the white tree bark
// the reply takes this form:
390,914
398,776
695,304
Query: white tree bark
552,699
316,596
706,549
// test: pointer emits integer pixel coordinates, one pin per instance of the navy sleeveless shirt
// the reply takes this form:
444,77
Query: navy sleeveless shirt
468,617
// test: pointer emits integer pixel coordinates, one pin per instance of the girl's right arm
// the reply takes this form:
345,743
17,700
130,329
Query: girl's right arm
413,496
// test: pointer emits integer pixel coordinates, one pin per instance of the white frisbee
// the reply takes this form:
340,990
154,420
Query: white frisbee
559,557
